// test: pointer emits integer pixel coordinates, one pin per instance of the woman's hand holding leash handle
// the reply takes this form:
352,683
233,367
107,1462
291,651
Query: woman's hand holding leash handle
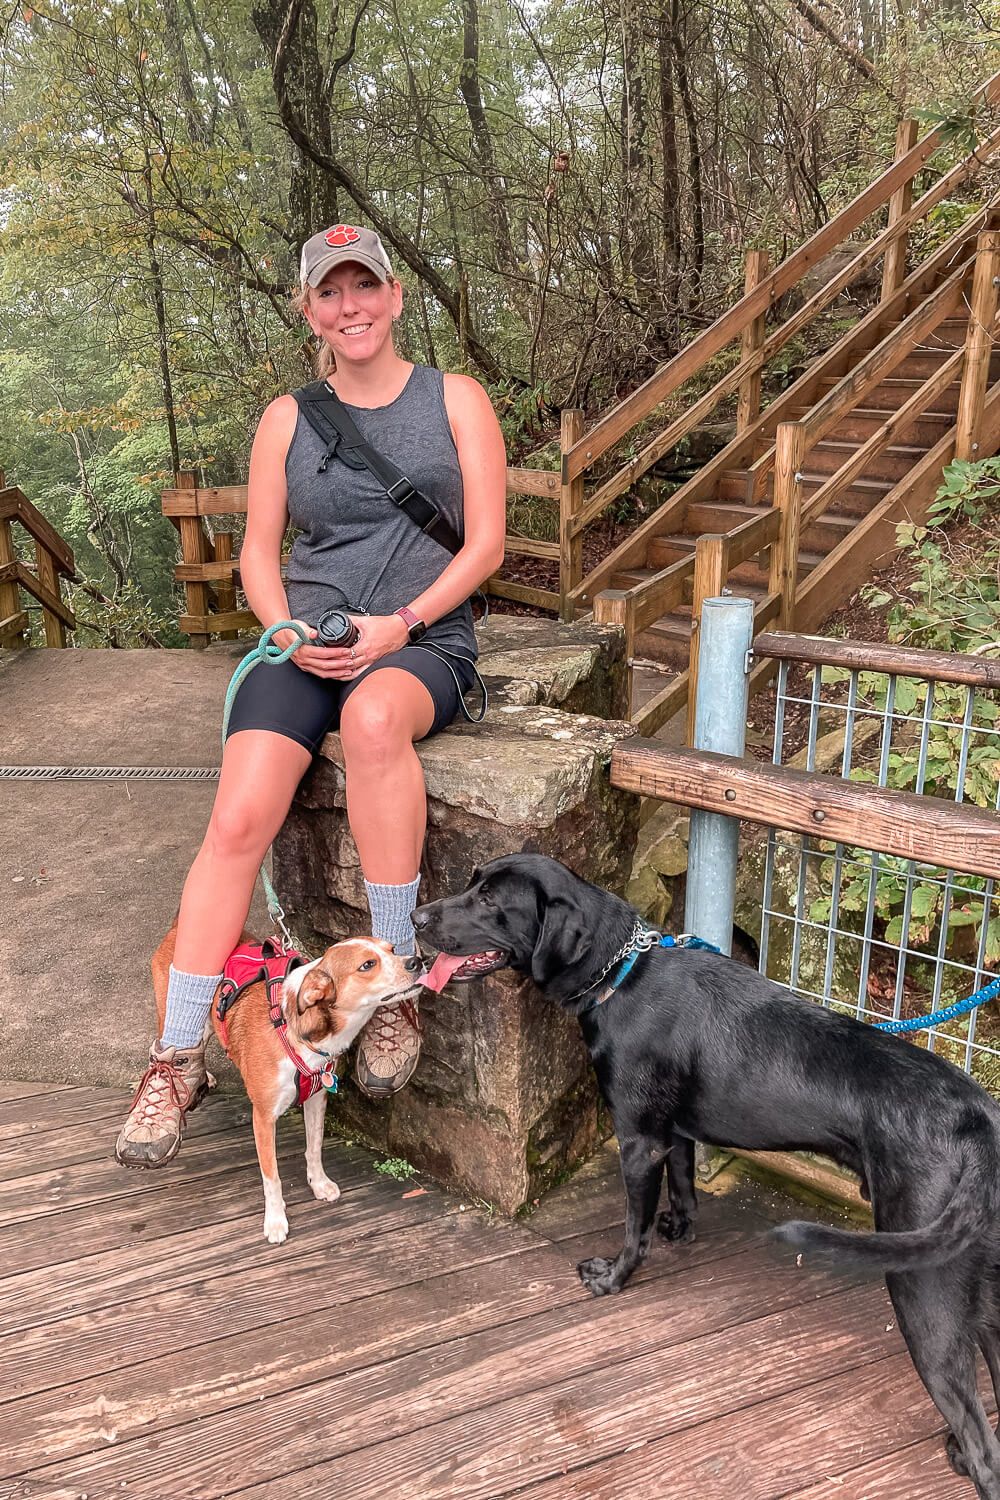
377,636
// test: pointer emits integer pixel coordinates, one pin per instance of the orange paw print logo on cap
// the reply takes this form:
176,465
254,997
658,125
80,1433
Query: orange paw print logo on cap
342,234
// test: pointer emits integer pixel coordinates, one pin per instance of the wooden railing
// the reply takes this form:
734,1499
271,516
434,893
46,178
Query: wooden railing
53,562
209,572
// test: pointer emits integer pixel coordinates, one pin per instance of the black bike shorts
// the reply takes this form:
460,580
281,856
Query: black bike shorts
286,700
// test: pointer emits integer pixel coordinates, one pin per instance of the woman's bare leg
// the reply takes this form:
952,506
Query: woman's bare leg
260,771
386,795
387,811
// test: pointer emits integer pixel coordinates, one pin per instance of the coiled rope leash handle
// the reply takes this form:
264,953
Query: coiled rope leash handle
271,655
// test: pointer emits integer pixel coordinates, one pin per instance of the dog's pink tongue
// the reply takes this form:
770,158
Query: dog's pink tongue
441,970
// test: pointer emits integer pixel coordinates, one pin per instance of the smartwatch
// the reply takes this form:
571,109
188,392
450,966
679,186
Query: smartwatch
415,627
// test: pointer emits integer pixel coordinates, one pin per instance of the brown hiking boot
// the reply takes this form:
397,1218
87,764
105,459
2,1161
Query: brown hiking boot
173,1085
388,1051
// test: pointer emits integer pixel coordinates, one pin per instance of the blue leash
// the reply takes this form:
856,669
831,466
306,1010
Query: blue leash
962,1007
264,651
895,1028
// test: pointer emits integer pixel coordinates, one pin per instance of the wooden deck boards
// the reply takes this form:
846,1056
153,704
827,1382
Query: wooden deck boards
398,1345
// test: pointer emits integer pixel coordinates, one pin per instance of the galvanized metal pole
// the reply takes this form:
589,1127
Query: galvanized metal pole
720,724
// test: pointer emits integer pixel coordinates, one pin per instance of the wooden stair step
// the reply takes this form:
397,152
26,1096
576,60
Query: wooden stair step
864,421
892,462
952,333
722,515
629,577
664,550
928,359
856,500
890,395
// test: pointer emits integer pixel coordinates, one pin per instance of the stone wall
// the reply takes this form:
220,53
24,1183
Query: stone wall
503,1099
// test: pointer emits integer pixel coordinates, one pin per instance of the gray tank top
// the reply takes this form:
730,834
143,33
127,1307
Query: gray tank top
355,550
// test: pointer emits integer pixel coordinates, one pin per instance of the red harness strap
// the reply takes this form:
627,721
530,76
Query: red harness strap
269,963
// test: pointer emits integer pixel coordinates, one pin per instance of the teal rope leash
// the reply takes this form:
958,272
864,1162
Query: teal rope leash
264,651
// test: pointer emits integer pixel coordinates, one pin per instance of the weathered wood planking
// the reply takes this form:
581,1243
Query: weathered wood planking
916,1472
122,1275
930,830
260,1362
229,1299
547,1427
588,1339
836,1419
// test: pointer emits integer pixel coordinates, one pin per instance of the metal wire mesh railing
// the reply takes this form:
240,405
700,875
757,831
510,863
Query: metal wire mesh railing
871,934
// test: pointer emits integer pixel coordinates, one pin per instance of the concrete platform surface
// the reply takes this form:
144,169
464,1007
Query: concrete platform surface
91,872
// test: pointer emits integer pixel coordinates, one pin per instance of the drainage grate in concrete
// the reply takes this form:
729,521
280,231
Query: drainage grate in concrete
109,773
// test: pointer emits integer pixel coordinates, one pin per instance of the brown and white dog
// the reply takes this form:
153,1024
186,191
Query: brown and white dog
324,1004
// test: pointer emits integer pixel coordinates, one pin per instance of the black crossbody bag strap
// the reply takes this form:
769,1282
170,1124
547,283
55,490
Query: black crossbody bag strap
327,415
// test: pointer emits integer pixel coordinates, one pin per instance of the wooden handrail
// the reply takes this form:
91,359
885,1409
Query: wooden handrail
231,500
950,835
676,371
52,558
866,656
884,358
751,365
15,506
867,257
751,537
671,435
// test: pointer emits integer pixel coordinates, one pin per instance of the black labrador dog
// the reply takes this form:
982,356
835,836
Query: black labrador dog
690,1046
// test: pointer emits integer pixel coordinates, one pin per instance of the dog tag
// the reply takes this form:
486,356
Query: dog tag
329,1080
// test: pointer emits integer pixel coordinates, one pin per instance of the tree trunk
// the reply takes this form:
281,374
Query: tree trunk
496,187
694,161
670,201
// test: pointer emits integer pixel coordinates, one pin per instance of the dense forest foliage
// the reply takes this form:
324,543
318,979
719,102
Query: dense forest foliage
565,188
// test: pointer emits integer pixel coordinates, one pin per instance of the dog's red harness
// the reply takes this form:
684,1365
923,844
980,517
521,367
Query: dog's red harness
269,963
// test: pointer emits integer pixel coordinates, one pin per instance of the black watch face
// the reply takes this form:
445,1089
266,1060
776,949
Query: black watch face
417,631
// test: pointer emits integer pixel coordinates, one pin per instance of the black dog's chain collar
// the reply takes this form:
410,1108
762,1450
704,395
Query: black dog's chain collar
640,940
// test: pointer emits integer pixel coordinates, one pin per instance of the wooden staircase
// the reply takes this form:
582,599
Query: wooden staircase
668,639
803,503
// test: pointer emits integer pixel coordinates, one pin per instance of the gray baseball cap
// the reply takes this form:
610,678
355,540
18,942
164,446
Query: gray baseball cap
342,242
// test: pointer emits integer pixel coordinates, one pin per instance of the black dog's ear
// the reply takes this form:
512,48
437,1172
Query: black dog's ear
562,940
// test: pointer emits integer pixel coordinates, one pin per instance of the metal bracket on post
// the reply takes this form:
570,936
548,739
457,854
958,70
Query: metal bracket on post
720,724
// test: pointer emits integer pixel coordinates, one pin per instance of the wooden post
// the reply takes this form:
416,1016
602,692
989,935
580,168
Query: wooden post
894,265
613,607
711,569
789,456
195,548
55,630
570,502
10,598
748,408
225,591
979,345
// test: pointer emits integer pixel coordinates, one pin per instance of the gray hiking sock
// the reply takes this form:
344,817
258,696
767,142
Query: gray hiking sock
391,906
189,1000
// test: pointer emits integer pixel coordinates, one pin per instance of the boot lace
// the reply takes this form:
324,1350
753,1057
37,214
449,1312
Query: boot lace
385,1028
161,1084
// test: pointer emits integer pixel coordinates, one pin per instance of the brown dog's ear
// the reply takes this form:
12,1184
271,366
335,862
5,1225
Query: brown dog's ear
318,985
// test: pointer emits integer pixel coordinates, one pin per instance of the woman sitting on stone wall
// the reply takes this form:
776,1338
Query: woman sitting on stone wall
356,551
